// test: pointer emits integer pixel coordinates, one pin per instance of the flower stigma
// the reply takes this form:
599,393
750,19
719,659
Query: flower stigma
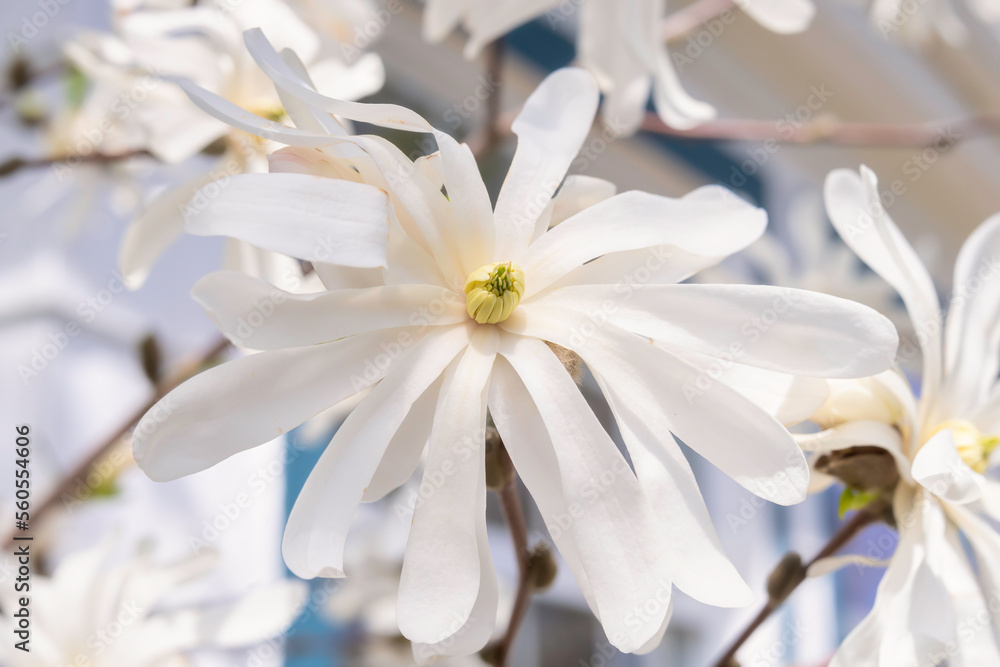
493,291
973,446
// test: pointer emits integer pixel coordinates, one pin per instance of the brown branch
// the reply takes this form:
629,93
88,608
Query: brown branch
18,163
683,21
826,130
492,132
79,474
514,515
844,534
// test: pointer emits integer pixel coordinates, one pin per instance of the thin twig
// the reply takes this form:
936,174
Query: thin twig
826,130
492,132
79,474
685,20
514,515
18,163
844,534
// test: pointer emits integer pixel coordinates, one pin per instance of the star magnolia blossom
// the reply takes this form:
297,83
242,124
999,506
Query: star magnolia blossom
88,613
620,41
131,68
930,607
399,321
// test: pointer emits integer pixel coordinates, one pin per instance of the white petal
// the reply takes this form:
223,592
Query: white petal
470,225
972,330
313,545
784,17
775,328
673,104
636,220
939,469
985,543
250,401
241,119
550,129
788,398
698,564
616,533
402,455
447,567
308,217
855,209
731,432
384,115
254,314
576,193
891,631
155,228
260,615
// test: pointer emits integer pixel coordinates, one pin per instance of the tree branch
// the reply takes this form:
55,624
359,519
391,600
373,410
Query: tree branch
826,130
79,474
17,163
514,515
844,534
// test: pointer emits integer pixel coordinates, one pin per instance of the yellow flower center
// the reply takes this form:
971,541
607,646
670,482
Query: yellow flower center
974,447
493,291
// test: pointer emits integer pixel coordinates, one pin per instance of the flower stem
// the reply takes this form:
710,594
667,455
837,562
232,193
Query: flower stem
844,534
78,476
514,516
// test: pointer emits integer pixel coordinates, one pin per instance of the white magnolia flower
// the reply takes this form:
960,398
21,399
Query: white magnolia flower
134,105
807,256
620,41
92,612
465,310
930,608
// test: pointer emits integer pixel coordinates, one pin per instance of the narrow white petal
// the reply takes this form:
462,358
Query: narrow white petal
636,220
616,533
250,401
238,117
939,469
775,328
257,315
550,129
157,226
784,17
855,208
308,217
402,455
698,564
972,330
313,545
730,431
384,115
447,567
